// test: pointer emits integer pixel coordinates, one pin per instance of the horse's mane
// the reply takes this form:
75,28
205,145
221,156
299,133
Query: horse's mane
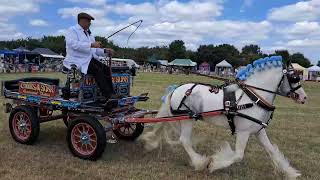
259,65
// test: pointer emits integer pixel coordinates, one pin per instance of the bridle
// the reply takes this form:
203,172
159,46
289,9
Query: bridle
292,78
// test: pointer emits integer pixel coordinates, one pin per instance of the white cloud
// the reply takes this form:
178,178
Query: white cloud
38,22
90,2
134,9
300,11
8,32
304,43
191,32
9,8
192,10
74,11
302,29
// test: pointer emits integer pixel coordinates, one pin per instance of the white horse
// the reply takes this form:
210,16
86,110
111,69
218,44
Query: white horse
266,78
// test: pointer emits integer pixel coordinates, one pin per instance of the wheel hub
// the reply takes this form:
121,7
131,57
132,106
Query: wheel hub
85,138
22,125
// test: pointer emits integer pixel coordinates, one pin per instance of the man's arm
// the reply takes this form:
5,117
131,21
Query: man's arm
73,42
101,52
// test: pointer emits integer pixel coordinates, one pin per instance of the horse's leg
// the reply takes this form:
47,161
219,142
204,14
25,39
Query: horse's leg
277,157
198,161
152,138
226,156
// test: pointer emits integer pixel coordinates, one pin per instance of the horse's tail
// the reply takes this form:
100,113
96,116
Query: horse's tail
161,131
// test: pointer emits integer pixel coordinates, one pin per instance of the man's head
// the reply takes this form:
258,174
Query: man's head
84,20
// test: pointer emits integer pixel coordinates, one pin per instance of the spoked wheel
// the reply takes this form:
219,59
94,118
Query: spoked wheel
24,125
86,138
129,131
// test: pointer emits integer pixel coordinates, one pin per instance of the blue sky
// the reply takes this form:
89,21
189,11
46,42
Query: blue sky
272,24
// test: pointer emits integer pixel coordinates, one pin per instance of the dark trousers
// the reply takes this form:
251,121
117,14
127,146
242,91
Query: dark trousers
102,76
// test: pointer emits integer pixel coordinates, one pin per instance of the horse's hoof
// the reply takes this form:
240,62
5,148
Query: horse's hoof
293,176
201,163
210,165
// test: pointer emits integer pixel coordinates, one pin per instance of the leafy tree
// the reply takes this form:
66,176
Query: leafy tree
318,64
250,53
227,52
206,53
214,54
55,43
251,50
300,59
177,49
284,53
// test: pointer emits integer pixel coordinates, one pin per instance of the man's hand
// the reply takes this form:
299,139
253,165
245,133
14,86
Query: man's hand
96,44
109,51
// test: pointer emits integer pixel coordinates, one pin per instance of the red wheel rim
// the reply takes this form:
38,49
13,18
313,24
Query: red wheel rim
21,124
127,129
84,139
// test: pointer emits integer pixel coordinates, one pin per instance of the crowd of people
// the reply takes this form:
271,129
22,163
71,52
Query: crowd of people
13,65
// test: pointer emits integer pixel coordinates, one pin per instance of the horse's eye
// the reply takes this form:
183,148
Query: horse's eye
294,79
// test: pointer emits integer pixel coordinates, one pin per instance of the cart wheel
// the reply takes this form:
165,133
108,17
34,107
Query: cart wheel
129,131
86,138
24,125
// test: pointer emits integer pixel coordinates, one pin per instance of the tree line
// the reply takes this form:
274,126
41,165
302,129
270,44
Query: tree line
212,54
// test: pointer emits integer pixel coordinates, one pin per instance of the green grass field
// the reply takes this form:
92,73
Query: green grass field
295,129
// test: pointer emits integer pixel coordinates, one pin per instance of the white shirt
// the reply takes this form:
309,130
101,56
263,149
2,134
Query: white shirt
78,48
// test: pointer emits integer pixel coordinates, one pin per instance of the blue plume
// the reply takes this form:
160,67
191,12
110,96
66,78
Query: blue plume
169,90
260,64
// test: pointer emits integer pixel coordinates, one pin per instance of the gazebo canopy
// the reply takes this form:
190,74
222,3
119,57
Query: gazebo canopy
153,60
314,69
182,62
224,63
8,52
44,52
163,62
21,49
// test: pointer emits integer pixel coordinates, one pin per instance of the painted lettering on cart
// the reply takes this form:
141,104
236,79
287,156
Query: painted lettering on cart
120,79
36,88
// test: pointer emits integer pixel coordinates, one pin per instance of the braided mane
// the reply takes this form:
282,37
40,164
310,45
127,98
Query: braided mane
259,65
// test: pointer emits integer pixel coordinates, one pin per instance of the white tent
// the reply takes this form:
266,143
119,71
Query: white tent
163,62
224,63
314,73
223,68
302,71
314,69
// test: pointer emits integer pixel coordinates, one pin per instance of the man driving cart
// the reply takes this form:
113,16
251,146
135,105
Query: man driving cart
83,51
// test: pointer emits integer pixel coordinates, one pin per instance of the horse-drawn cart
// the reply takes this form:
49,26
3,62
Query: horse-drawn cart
32,101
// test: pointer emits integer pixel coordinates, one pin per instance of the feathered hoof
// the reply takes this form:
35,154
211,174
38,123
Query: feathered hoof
293,175
201,163
210,166
150,146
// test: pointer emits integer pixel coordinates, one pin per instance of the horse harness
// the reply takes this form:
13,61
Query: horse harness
230,103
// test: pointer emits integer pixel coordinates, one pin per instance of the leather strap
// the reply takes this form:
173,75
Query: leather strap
258,99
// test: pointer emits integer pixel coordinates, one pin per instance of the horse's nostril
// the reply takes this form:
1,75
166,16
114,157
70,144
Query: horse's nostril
305,97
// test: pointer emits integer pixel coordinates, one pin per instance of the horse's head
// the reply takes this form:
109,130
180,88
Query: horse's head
290,85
